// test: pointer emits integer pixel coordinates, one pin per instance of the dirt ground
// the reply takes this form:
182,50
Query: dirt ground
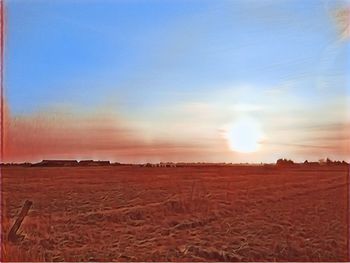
125,213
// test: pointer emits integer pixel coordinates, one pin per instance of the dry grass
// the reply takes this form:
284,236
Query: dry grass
177,214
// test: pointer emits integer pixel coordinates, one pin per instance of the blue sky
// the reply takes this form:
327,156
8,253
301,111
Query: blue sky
140,59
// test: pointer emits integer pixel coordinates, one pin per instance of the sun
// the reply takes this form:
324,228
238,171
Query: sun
244,135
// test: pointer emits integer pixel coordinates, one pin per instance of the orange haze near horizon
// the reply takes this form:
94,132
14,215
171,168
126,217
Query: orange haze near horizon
59,134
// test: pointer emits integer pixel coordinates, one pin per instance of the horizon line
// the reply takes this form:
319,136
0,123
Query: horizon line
108,162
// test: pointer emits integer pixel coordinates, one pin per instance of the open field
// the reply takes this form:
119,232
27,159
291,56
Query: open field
123,213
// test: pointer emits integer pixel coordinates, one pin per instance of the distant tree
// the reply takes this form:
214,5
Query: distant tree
329,161
284,162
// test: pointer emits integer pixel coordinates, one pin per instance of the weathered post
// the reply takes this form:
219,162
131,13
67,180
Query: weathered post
12,236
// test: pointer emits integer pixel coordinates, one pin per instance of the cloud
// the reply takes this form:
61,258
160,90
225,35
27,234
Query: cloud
64,134
342,19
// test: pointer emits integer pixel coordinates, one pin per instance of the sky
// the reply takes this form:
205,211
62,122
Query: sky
182,81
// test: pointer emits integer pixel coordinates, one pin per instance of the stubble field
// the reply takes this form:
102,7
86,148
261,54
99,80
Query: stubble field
129,213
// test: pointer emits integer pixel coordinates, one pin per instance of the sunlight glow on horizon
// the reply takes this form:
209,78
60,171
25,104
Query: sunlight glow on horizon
244,136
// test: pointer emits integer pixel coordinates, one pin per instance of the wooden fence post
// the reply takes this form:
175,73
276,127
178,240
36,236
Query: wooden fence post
12,236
